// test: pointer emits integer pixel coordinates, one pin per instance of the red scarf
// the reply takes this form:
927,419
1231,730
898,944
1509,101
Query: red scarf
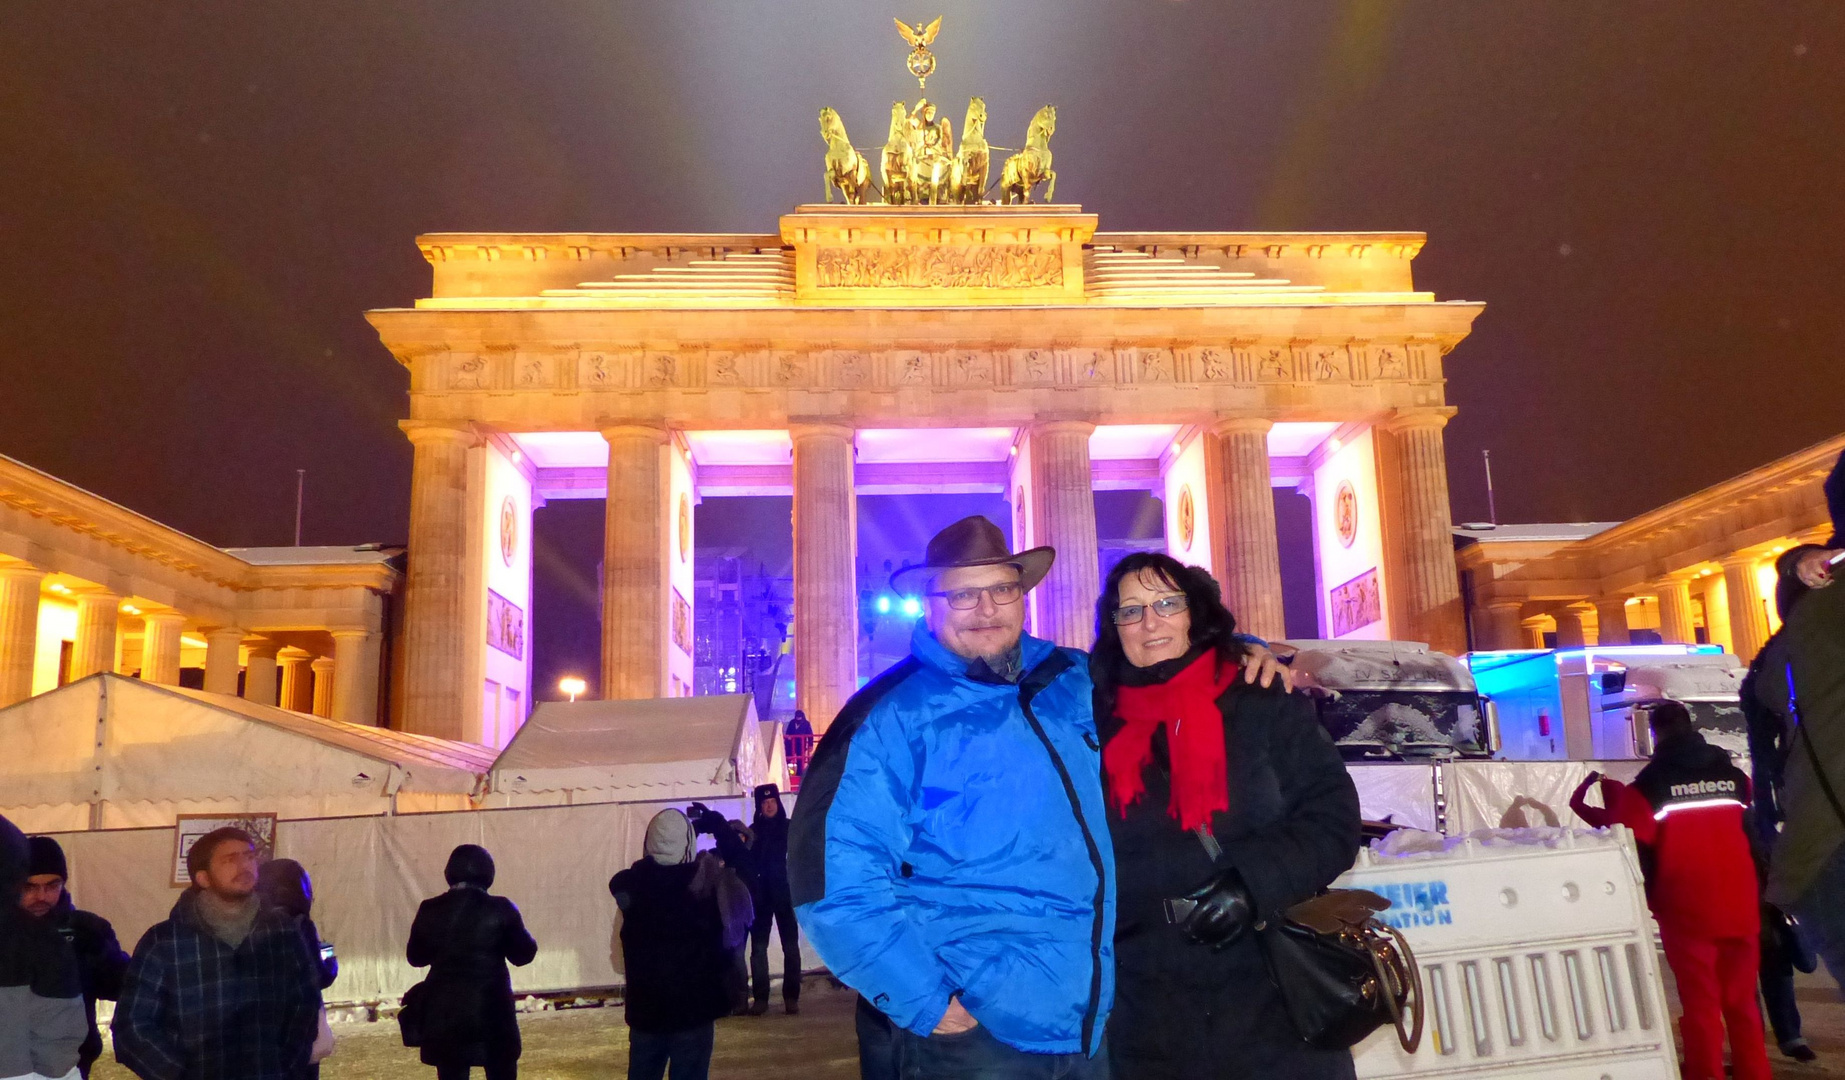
1186,706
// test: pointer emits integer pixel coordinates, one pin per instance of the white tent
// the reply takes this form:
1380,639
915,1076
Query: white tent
624,751
108,752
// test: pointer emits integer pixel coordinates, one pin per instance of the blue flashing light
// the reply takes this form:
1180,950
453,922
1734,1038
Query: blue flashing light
884,605
911,606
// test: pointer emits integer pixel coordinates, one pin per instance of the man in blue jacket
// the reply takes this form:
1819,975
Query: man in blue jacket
949,855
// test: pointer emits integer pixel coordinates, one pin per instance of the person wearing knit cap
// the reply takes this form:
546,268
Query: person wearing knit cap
100,959
466,937
774,903
41,1000
672,940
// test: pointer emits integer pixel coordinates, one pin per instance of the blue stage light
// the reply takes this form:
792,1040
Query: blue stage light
884,605
911,607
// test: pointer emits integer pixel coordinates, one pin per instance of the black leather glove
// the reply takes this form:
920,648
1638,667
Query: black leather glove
706,821
1224,913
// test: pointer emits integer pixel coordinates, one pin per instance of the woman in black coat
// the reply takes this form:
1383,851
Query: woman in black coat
284,883
1186,743
466,938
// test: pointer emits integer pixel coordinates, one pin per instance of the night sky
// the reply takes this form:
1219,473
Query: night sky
198,201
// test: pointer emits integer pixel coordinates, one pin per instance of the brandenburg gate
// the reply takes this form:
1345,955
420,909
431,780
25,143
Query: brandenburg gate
875,348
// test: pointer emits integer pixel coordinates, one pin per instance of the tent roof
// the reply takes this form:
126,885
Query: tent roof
400,748
649,743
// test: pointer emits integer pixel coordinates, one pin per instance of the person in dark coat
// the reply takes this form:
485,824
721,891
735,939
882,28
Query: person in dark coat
1186,744
774,902
100,959
672,936
41,997
284,883
466,937
224,989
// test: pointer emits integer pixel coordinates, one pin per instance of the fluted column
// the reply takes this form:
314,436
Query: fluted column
1242,507
19,585
1422,589
1533,631
322,667
435,630
1748,618
1063,516
635,629
1675,612
1611,621
98,624
260,676
355,676
297,682
1499,624
825,578
1571,634
160,647
221,660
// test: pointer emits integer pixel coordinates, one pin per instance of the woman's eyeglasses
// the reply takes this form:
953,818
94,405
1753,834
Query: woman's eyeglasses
969,599
1165,607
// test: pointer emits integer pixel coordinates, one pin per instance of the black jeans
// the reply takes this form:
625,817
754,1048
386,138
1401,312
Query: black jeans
499,1070
977,1055
776,903
877,1043
687,1051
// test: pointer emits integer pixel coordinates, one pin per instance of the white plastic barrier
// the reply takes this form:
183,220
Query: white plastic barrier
1500,794
1402,793
1536,952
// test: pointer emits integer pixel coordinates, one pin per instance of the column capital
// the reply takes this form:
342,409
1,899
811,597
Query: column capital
440,431
1428,417
164,618
21,571
321,664
349,632
1241,425
1068,425
223,632
293,654
633,429
820,429
1739,560
264,650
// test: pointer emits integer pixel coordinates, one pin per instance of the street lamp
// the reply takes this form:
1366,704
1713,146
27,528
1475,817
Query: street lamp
572,685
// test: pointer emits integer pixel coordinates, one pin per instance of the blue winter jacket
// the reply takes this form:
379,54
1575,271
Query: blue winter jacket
951,839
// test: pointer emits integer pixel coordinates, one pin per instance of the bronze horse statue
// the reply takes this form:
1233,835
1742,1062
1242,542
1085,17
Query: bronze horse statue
1032,165
846,168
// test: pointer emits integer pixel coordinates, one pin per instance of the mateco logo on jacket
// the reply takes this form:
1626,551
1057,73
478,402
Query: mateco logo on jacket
1704,787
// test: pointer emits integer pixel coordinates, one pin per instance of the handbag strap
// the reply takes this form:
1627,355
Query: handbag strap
1216,850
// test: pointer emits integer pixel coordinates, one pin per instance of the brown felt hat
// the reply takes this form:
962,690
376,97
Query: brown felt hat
973,541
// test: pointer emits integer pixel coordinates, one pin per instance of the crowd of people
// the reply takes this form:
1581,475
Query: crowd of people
1027,860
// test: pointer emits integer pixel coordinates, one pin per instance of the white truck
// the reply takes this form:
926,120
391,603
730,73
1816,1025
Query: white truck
1393,701
1589,704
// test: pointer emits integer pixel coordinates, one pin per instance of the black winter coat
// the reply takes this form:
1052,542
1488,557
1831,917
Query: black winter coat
673,942
771,855
466,937
1181,1010
100,964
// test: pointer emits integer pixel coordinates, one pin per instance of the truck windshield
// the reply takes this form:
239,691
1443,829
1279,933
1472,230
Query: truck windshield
1721,723
1403,723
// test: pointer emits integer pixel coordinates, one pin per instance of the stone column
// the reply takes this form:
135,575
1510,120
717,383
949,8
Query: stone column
1716,599
435,629
1611,621
1533,632
1675,612
1748,619
1422,588
355,676
260,676
1498,624
19,584
1063,517
160,647
98,624
322,667
635,628
1242,507
297,686
1571,634
825,571
221,660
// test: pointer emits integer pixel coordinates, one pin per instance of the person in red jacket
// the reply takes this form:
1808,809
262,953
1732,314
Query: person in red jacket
1687,809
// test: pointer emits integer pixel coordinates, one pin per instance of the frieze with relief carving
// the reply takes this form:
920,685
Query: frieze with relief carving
991,266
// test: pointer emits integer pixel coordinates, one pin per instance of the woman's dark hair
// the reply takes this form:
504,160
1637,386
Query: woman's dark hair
469,864
1212,622
284,883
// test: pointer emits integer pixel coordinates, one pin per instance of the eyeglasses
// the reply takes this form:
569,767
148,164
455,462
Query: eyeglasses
1005,593
1165,607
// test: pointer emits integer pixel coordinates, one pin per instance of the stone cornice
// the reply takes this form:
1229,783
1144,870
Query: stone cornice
67,507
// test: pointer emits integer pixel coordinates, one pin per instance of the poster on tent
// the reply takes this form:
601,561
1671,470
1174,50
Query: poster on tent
190,827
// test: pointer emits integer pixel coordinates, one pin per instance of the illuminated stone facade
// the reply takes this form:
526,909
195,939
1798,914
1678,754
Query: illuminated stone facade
660,369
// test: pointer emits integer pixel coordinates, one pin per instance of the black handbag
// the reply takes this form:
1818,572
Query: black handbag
410,1014
1342,973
